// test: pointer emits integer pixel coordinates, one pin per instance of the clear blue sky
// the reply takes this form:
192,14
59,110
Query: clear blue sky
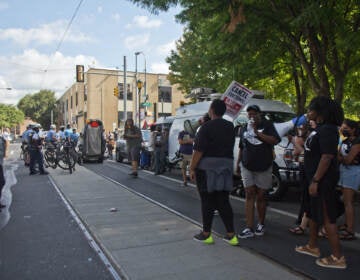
101,34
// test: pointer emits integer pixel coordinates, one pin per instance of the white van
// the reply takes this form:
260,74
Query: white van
278,112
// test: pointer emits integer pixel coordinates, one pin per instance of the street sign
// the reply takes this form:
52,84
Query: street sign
146,104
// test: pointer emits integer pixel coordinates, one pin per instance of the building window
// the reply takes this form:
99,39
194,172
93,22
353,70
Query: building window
129,94
71,102
165,94
121,115
76,98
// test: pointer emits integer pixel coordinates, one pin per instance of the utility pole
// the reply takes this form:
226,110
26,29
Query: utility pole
125,90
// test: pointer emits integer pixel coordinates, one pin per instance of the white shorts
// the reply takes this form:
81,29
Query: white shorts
260,179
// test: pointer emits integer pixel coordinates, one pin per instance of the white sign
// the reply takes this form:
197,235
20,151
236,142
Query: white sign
235,97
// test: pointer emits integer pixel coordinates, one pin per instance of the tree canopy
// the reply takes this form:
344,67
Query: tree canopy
290,49
10,116
38,106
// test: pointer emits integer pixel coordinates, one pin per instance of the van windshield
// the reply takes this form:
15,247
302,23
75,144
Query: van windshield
276,117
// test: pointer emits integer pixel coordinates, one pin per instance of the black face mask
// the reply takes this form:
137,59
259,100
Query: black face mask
346,133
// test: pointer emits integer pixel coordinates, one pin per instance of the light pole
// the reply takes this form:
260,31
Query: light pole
145,84
139,85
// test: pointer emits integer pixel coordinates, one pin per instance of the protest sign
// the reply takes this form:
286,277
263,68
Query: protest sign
235,97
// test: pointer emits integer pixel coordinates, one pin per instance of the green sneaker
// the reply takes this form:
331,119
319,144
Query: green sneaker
205,239
233,241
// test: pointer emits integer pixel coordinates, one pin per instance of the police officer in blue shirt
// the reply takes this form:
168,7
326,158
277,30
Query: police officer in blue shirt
61,133
68,132
74,136
51,135
36,155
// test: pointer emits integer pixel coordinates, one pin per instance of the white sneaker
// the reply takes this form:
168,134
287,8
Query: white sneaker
260,230
246,233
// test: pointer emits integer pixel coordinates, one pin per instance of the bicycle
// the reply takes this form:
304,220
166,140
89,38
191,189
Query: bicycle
50,155
25,154
67,156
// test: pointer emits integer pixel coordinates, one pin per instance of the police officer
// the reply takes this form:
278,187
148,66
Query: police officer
61,133
51,135
68,131
36,155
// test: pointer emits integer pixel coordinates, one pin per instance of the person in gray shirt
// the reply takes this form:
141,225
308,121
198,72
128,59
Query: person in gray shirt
133,138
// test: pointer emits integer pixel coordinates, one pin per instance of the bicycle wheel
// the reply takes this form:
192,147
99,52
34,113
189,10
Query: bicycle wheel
50,159
27,157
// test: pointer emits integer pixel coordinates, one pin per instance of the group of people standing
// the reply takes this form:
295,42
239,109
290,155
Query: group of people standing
324,167
33,140
326,162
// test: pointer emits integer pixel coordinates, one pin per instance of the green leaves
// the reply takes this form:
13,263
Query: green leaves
10,116
292,49
38,106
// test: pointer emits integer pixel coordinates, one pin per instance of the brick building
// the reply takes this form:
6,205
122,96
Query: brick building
95,99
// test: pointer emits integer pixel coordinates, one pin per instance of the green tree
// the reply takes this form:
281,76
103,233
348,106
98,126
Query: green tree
38,106
10,116
303,47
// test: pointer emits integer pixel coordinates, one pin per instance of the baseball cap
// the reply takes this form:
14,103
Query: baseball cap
253,107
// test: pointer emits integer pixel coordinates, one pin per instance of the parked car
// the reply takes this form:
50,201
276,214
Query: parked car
121,151
284,172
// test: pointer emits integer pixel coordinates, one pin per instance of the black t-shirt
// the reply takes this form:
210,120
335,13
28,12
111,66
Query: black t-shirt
323,140
216,138
257,155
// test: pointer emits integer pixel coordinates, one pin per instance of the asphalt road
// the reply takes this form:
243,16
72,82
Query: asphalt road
277,244
39,239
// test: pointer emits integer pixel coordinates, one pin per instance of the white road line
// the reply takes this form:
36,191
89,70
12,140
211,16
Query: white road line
89,237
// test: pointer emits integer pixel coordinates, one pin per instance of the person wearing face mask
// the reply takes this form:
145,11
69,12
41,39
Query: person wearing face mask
256,148
349,159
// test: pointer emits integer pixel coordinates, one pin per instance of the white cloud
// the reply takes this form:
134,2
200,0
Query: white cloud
137,42
99,9
116,17
3,6
160,68
166,48
43,35
144,22
25,73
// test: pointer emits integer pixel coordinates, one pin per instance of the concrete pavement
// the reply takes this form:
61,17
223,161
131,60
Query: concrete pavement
146,241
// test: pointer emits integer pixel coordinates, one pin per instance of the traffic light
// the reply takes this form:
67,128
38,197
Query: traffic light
80,73
116,91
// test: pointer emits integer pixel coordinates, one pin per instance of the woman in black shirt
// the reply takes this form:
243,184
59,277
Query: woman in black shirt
322,174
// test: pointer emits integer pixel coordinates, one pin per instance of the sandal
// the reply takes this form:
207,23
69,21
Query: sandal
307,250
322,233
342,227
346,235
298,230
332,262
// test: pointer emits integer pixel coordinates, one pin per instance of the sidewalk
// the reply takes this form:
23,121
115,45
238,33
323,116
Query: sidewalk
146,241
